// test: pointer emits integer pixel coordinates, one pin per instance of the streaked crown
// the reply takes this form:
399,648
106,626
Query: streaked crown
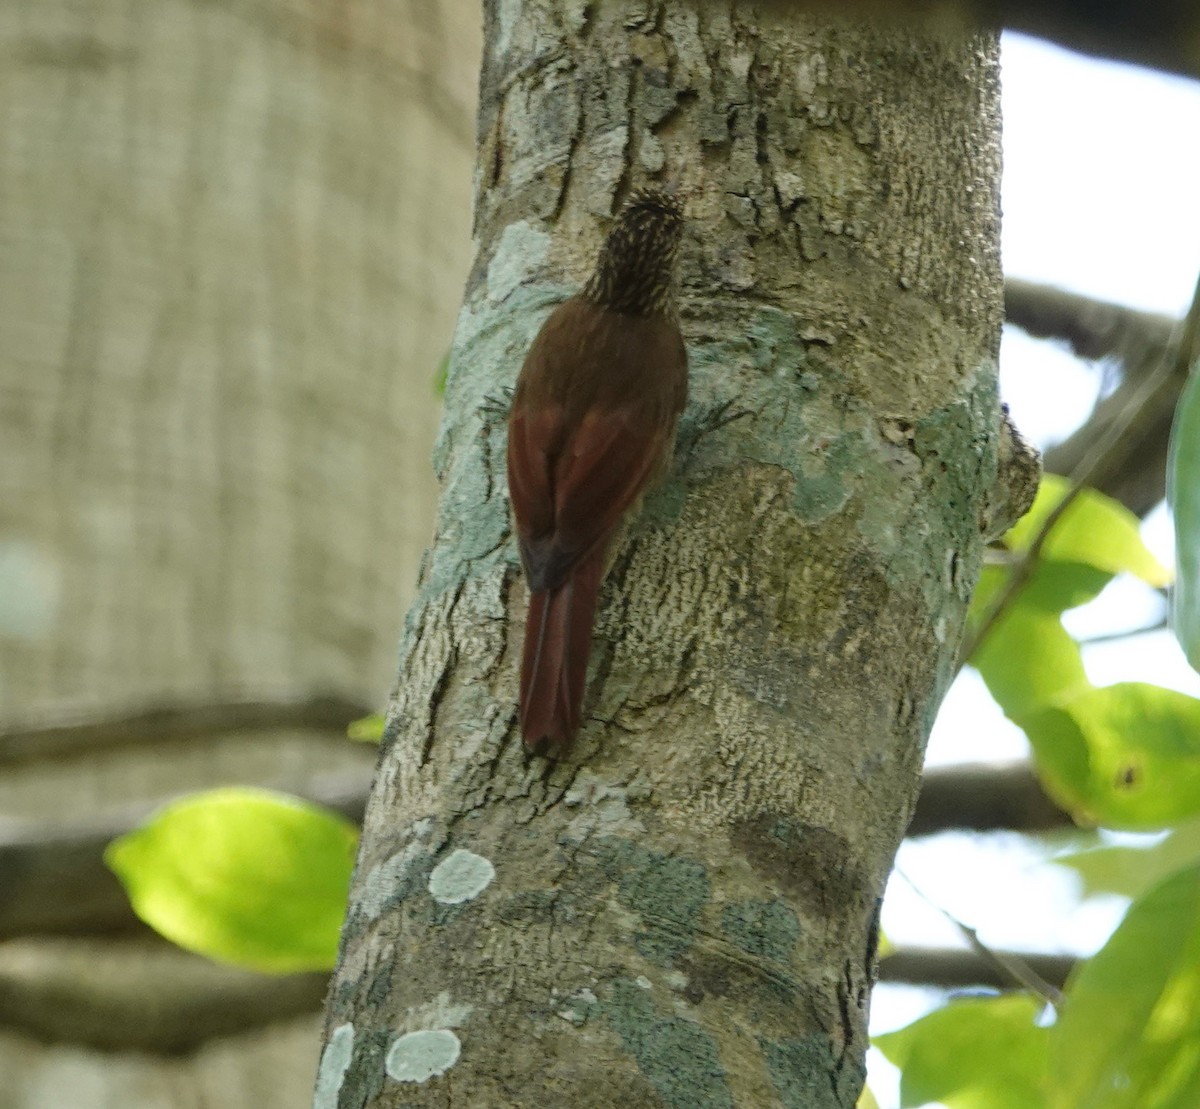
635,272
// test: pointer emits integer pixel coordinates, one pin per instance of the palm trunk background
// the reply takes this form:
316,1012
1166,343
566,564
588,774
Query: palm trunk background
682,911
232,240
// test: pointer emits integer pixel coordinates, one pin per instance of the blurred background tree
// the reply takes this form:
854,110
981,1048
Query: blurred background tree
234,243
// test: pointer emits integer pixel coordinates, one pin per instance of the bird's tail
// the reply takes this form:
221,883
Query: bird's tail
558,641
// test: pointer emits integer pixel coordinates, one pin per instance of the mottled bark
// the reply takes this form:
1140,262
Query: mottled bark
682,911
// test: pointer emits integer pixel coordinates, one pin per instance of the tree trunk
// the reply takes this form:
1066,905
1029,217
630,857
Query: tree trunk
682,911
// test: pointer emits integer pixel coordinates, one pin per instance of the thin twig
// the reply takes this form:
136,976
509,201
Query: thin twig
1099,461
1009,964
1127,633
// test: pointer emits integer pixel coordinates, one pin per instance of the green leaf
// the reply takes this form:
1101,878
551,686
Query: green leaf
1029,661
1094,530
366,729
1125,756
1183,494
441,375
1058,586
974,1053
1052,587
244,876
1130,870
1128,1036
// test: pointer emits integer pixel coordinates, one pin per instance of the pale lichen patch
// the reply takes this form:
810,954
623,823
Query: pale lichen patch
420,1056
521,250
578,1006
507,14
386,880
441,1012
602,807
459,877
334,1061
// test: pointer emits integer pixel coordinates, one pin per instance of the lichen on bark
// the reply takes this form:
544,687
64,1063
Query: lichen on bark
683,907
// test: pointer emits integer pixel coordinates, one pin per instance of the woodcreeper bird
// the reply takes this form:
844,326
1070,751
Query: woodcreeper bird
592,426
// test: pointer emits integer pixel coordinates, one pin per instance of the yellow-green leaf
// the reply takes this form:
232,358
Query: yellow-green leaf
974,1053
1095,530
1052,587
1183,493
1029,661
245,876
1128,1036
441,374
1131,870
1125,755
366,729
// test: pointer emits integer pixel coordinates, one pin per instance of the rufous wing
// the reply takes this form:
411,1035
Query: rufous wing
570,489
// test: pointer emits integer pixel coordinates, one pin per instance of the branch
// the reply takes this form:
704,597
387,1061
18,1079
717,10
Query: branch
74,734
142,994
953,968
1094,329
139,993
1161,624
1162,34
1011,967
984,798
53,878
133,991
1138,342
1018,475
1105,455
